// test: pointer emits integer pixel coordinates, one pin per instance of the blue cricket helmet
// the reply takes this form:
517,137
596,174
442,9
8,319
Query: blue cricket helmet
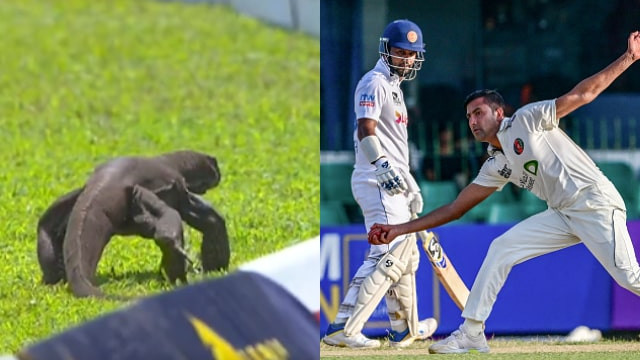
402,34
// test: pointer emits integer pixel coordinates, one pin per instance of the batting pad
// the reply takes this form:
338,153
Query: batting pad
389,270
233,317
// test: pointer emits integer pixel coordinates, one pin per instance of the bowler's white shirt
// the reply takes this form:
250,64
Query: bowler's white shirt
539,156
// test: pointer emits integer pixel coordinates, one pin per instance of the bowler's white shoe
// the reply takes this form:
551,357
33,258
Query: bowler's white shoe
460,342
335,336
403,339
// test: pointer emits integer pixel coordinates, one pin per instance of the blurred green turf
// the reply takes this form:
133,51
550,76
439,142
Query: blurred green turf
83,81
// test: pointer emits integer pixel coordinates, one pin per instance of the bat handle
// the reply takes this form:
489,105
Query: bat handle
422,233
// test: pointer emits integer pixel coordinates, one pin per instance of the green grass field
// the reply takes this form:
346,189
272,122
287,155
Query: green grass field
84,81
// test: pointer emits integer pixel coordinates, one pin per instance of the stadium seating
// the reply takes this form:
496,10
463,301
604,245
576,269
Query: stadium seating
332,212
437,193
622,176
335,186
335,182
531,204
505,213
480,213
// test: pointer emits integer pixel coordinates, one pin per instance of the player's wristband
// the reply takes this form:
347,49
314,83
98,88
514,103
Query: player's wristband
371,148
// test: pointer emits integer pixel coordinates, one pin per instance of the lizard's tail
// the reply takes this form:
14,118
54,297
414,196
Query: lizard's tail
88,232
52,226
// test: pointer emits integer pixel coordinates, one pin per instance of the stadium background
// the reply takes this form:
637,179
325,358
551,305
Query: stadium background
528,50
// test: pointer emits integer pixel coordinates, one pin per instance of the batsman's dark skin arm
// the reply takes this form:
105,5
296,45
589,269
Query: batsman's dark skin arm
366,127
469,197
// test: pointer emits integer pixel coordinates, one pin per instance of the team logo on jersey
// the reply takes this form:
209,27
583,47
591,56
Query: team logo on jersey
412,36
367,100
531,167
401,118
396,98
518,146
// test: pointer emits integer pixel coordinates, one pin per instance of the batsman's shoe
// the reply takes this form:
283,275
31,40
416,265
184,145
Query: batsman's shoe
460,342
335,336
403,339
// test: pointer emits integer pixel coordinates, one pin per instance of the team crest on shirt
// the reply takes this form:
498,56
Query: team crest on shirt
518,146
396,98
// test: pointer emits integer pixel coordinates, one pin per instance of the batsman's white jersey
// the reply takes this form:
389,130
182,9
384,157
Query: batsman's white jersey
584,206
378,97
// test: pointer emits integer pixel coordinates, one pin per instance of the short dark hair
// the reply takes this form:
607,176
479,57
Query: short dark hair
491,97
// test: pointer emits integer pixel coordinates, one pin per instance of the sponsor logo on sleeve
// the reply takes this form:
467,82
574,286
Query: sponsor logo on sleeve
367,100
505,172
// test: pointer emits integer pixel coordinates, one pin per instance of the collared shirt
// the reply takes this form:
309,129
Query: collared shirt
538,156
378,97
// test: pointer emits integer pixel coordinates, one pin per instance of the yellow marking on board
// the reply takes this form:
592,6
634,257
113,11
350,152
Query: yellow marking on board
220,348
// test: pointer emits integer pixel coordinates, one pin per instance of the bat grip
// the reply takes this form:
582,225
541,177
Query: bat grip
422,233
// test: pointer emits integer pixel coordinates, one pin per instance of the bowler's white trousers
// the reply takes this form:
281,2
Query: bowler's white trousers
377,207
596,217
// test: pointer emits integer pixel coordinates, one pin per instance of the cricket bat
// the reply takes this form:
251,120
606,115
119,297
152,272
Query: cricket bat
444,269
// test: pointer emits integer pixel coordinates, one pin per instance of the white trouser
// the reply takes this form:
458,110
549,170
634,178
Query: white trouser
596,218
377,207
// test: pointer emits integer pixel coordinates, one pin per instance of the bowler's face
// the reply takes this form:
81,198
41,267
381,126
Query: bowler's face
483,120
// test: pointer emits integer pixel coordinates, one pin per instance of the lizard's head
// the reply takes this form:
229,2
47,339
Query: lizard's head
204,176
200,171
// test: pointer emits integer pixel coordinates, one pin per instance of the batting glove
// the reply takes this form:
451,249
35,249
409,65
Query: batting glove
388,178
414,195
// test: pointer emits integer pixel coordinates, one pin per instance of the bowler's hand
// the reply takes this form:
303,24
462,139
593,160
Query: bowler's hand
382,234
634,45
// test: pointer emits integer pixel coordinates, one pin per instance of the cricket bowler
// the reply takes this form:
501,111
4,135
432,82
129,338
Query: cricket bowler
529,150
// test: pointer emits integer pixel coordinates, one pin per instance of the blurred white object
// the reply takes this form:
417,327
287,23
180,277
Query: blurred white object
584,334
296,268
8,357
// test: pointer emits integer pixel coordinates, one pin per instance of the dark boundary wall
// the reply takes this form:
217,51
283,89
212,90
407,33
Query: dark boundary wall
550,294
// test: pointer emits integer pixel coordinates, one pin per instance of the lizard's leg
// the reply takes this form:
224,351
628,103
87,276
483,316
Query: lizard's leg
155,219
215,250
52,227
